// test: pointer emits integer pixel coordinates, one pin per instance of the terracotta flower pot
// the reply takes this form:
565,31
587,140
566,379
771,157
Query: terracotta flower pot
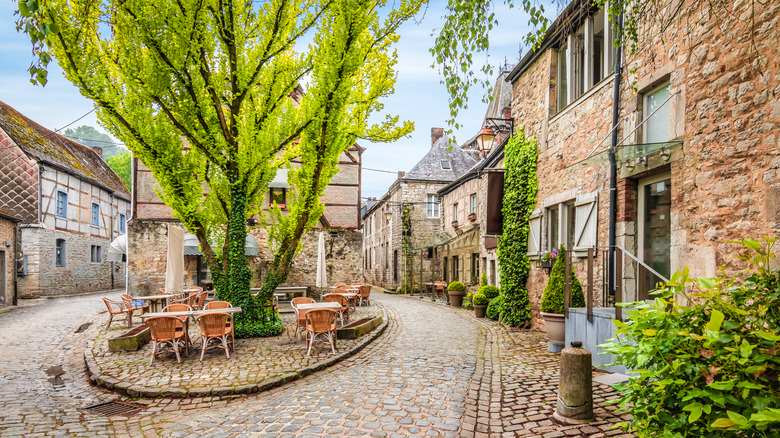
473,217
479,310
456,297
455,224
555,324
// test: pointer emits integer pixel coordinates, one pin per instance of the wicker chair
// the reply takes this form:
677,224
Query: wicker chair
338,285
118,308
364,295
214,326
300,316
133,304
177,307
343,313
224,305
321,322
167,330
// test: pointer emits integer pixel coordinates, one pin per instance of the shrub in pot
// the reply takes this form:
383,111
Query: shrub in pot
494,308
480,304
456,290
552,299
489,291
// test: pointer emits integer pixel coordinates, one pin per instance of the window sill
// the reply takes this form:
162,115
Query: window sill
60,217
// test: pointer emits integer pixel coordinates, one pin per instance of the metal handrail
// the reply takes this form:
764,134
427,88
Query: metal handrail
653,271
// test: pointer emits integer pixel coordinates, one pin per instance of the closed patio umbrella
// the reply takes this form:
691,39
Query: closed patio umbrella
322,278
117,249
174,268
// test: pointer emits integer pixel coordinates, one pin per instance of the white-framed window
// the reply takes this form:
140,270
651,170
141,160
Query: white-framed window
455,212
585,57
433,206
59,253
96,253
94,218
656,127
573,223
122,223
535,233
473,203
553,227
61,204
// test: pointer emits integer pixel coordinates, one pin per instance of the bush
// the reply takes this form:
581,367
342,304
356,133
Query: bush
480,299
706,351
490,291
552,298
467,301
494,308
483,281
456,286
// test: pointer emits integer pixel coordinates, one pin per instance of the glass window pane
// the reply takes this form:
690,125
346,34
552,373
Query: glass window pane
562,79
656,128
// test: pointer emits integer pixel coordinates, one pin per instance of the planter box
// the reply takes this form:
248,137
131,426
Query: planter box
132,340
544,264
358,328
455,224
473,217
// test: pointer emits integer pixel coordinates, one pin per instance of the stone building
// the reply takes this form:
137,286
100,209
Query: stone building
70,204
402,229
147,241
470,249
9,250
697,156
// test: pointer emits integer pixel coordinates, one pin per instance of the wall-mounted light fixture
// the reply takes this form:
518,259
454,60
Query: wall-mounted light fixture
493,126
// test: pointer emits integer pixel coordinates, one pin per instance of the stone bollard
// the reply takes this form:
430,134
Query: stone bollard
575,386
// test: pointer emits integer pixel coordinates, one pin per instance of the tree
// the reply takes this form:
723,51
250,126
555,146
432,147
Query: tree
121,165
205,92
91,137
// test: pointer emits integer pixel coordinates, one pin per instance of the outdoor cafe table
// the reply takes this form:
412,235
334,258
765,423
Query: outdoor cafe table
193,313
155,301
350,296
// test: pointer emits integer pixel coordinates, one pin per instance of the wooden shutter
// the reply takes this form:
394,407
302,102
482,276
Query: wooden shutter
585,222
495,198
535,233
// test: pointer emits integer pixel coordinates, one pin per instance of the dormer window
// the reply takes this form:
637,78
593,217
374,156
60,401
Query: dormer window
445,164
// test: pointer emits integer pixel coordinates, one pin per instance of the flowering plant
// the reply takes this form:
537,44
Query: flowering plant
549,255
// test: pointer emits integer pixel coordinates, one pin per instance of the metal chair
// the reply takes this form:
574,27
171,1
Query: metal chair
167,330
321,322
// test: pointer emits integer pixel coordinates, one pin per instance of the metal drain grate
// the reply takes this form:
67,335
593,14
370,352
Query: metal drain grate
114,408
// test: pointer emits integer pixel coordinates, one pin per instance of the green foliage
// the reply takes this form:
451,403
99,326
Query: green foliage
520,187
489,291
706,354
255,329
456,286
467,301
552,298
494,308
200,93
91,137
120,163
480,299
483,281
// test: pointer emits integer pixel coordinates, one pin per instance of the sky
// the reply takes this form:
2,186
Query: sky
419,95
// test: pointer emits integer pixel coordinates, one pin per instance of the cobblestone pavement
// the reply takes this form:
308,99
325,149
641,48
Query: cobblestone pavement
434,372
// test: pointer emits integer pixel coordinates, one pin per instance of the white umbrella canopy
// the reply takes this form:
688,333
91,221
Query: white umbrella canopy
117,249
174,268
322,278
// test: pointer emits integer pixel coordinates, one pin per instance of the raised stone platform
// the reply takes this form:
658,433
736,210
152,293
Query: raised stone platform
258,364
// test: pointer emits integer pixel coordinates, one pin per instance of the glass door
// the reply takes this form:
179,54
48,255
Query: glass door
655,231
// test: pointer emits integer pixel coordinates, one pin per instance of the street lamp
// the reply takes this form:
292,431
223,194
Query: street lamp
388,214
485,140
493,126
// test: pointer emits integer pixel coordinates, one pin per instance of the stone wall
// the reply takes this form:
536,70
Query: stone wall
7,231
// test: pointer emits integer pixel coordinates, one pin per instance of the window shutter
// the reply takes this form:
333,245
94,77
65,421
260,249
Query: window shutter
585,223
535,233
495,198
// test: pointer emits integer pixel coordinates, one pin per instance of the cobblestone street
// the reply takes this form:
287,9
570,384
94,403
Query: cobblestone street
433,372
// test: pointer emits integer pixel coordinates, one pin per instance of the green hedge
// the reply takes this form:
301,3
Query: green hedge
489,291
494,308
456,286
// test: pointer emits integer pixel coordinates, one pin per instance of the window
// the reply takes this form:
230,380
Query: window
122,223
433,206
573,223
445,164
59,253
563,84
278,196
94,219
446,270
475,268
455,212
534,233
656,127
455,268
430,252
473,202
96,253
553,227
61,209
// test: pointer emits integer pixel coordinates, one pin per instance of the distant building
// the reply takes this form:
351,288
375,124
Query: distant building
402,229
70,204
9,250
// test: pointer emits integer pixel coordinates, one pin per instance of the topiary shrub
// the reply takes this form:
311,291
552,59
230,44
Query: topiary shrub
489,291
552,298
480,299
467,301
706,354
456,286
483,281
494,308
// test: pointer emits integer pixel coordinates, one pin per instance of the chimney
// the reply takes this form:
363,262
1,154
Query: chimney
98,150
401,174
436,133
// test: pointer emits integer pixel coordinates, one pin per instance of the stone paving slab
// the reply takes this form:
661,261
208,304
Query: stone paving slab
256,365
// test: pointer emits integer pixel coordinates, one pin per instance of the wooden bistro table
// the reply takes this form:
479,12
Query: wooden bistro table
192,313
156,301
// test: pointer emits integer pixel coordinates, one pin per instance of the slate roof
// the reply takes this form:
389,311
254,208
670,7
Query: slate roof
56,150
429,168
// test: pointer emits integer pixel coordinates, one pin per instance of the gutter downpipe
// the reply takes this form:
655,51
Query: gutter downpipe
613,163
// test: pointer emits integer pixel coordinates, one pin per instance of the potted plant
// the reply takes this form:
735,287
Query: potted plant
472,217
547,259
489,291
456,290
480,302
455,224
552,300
